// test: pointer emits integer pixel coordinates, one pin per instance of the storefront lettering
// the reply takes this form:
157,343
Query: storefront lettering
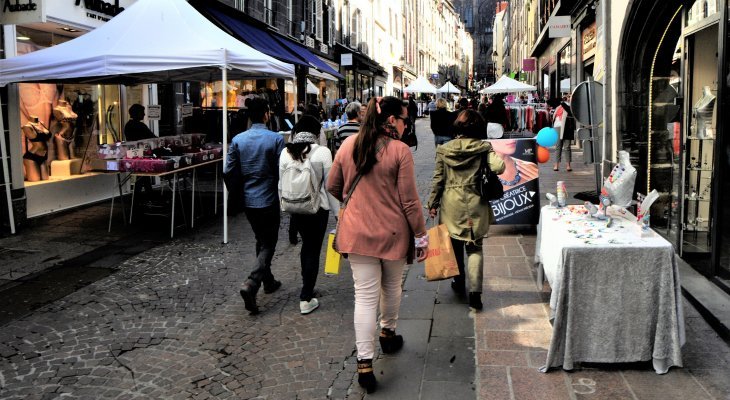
9,6
102,7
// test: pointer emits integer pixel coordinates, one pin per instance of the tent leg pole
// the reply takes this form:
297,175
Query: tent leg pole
224,89
6,174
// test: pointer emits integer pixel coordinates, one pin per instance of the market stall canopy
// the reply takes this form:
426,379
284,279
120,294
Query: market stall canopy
449,88
312,88
420,85
150,41
506,84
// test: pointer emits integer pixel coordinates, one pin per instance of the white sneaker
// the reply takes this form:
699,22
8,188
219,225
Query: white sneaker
307,307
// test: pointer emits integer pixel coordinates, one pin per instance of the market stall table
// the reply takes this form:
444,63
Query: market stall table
173,177
616,294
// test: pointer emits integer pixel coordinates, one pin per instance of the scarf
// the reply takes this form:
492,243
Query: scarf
389,131
304,137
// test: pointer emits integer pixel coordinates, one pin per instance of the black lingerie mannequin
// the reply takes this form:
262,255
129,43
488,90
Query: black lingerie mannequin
35,137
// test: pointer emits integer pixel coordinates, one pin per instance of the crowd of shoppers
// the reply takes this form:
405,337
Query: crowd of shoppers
381,224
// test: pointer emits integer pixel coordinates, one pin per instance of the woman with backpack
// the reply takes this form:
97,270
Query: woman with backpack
374,170
304,161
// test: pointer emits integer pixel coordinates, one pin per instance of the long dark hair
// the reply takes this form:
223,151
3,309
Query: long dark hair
366,142
470,124
307,123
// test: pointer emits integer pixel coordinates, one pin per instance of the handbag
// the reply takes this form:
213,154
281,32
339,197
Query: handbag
342,211
488,185
441,260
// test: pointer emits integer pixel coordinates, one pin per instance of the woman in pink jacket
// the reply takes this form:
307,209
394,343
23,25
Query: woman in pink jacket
378,224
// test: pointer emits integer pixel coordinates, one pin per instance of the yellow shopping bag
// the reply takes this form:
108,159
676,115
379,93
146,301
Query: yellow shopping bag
333,260
441,261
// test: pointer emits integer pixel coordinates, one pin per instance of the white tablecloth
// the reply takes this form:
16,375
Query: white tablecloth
616,295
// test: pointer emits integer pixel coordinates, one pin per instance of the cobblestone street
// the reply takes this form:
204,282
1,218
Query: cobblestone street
168,323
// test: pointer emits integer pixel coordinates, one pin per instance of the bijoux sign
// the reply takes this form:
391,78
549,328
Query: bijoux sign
15,12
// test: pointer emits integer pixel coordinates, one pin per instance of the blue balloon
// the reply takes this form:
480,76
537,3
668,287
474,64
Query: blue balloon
547,137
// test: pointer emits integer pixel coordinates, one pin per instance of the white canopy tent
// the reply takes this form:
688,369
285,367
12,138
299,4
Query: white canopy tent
150,41
420,85
506,84
449,88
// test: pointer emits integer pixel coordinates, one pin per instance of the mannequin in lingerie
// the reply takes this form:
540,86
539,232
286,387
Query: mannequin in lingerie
35,137
704,108
64,129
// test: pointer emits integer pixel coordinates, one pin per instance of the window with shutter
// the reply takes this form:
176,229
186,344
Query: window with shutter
331,23
318,12
312,16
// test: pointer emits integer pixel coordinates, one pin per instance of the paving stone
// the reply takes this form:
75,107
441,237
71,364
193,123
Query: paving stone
450,359
452,320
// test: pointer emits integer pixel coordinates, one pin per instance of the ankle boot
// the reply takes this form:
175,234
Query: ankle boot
389,341
475,300
365,375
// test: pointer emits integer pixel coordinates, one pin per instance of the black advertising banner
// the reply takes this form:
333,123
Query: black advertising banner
520,204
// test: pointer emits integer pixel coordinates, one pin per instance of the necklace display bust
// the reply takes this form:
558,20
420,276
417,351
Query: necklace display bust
704,110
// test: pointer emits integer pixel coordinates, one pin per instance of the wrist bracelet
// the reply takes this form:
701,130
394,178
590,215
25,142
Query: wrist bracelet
421,241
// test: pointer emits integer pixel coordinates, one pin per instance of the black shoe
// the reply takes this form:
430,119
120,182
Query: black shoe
389,341
365,375
248,293
475,300
272,287
459,286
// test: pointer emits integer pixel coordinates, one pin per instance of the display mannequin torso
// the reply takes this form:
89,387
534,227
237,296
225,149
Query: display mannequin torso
704,108
35,149
63,128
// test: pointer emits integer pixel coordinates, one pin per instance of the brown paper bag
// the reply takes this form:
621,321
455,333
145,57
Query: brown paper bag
441,261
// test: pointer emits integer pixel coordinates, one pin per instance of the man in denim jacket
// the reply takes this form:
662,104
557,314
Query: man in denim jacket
256,151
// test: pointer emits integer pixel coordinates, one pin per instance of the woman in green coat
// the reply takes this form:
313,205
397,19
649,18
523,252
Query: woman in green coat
453,191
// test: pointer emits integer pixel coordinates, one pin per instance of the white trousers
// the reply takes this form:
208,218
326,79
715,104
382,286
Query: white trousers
376,281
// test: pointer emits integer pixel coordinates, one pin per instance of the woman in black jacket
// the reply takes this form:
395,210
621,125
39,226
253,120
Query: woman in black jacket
442,121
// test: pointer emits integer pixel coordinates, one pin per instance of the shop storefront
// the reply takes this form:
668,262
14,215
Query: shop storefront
670,93
364,78
53,128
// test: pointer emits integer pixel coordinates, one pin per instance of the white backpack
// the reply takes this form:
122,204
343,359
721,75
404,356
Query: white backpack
300,186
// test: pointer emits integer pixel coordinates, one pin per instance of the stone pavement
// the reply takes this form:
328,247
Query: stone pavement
166,321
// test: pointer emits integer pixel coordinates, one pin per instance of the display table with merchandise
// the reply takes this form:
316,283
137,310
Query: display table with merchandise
172,178
616,294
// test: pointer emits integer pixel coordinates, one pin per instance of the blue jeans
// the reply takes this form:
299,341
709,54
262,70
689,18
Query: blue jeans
442,139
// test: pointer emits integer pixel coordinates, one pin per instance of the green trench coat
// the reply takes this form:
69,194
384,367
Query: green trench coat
453,189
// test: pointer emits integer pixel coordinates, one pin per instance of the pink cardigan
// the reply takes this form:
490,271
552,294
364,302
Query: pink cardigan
384,205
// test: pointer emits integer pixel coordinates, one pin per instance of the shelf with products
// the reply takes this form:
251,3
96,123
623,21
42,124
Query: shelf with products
699,138
699,169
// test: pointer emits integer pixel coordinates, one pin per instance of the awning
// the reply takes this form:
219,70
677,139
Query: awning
322,75
302,52
257,38
267,42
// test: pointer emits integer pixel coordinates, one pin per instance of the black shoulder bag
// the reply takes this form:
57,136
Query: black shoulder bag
488,185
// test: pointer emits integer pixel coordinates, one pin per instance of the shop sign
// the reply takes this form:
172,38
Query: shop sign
187,110
101,6
559,26
15,12
154,112
346,59
589,41
528,64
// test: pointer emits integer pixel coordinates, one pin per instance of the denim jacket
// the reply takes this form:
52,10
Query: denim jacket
257,152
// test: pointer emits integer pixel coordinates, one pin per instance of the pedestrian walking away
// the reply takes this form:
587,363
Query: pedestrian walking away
256,152
311,227
442,121
456,201
375,170
564,122
352,127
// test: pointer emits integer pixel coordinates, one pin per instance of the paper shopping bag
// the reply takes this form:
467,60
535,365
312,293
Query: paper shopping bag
441,261
333,260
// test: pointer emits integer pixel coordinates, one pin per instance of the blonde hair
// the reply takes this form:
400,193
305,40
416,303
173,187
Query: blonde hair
441,103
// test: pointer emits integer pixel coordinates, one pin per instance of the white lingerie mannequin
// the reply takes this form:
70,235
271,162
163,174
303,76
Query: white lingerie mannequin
704,109
64,129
